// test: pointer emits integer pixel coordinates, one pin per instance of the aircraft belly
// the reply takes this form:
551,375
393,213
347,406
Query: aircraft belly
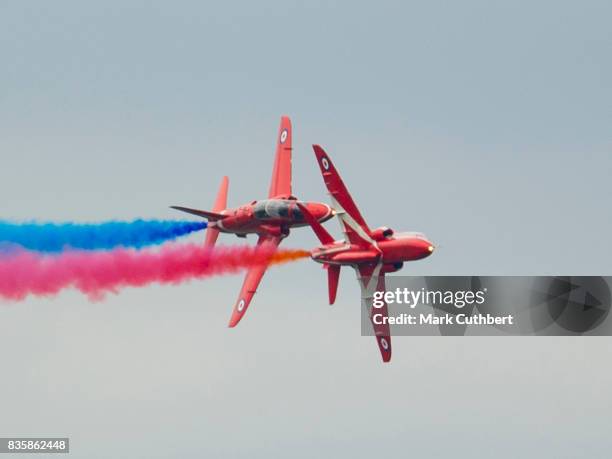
239,227
352,257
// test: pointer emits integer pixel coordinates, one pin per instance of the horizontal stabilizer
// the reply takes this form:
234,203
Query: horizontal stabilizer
200,213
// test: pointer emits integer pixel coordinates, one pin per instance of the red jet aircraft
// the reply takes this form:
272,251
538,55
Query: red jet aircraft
271,219
372,253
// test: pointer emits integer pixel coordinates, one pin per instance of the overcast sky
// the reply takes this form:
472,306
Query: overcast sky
484,124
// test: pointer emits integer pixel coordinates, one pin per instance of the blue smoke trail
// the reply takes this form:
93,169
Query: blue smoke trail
55,237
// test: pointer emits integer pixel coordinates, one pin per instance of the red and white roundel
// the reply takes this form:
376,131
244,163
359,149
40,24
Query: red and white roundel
240,306
325,163
384,343
283,136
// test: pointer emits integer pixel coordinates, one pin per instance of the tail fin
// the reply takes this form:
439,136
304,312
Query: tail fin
318,229
212,233
220,205
333,278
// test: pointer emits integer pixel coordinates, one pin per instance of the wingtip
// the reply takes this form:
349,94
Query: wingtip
384,345
236,317
318,151
234,320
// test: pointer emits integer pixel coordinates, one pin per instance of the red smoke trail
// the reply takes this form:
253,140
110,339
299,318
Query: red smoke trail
24,273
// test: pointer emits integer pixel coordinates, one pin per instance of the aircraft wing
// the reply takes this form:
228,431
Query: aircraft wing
251,282
280,186
353,224
370,281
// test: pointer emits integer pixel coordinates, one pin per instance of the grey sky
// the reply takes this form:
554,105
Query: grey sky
484,124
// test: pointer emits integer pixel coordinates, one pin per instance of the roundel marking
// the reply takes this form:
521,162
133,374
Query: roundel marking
283,136
240,306
384,344
325,163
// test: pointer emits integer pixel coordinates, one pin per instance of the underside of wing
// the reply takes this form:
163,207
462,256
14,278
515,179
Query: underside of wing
251,282
372,280
280,185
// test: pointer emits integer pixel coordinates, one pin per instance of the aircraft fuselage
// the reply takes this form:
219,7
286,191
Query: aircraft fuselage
270,216
391,251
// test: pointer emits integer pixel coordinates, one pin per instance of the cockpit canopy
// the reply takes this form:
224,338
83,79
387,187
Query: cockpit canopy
410,235
382,233
269,209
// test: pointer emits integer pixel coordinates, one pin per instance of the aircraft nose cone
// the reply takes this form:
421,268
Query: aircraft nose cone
319,210
428,248
423,248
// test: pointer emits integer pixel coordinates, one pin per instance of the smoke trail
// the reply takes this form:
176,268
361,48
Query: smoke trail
54,237
24,273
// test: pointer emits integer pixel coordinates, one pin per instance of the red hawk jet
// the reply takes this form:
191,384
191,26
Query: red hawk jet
271,219
372,253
